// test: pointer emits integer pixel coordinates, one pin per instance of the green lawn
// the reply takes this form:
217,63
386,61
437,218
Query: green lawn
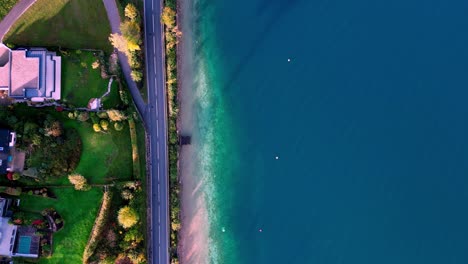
104,156
72,24
78,210
80,82
6,6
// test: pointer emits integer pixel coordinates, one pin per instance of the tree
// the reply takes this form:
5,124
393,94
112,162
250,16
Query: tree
127,217
95,64
54,129
119,42
131,32
83,116
136,75
96,128
131,11
16,176
116,115
133,235
80,182
104,124
168,17
127,194
118,126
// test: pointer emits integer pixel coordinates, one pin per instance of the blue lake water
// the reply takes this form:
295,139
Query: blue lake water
368,119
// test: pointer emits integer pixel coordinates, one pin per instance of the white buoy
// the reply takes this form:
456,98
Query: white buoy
289,60
223,229
276,157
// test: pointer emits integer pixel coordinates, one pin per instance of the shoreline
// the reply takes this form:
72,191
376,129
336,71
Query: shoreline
194,233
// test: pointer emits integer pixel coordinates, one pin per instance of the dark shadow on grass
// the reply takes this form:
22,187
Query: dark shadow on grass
71,28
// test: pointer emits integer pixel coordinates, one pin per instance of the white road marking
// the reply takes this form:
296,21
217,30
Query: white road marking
154,46
159,237
157,132
158,172
154,65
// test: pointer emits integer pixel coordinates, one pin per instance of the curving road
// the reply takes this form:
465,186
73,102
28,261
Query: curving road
156,117
13,15
154,114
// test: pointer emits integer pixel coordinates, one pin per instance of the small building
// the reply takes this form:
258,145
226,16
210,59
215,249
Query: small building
16,241
94,104
7,142
30,74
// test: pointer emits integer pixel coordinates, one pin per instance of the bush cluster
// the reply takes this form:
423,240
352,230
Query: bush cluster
169,19
53,150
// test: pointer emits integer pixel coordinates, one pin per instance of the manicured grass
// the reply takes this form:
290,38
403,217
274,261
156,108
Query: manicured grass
70,24
113,98
80,82
6,6
78,209
105,156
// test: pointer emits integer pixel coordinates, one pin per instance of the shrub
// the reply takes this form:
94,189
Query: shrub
116,115
98,227
95,65
127,194
104,124
16,176
94,118
80,182
127,217
97,128
83,116
71,115
137,76
118,126
102,115
168,17
123,96
131,12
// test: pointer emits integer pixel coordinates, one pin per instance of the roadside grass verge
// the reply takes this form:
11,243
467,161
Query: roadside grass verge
6,6
80,82
78,209
70,24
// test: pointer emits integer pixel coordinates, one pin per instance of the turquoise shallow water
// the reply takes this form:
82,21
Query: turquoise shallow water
369,121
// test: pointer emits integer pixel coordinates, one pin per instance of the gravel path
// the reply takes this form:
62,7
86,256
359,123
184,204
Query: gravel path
114,19
13,15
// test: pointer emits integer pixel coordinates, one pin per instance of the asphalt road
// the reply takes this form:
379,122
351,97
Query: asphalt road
156,116
13,15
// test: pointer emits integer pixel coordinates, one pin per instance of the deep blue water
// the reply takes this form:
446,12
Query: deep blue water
369,121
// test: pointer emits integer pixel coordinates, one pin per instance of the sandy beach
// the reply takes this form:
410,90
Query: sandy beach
193,238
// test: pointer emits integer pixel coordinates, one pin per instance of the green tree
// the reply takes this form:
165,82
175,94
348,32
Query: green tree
83,116
131,32
16,176
127,217
118,126
137,76
104,124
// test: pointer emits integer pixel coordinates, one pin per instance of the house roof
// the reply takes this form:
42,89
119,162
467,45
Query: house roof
7,234
4,67
24,73
4,149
